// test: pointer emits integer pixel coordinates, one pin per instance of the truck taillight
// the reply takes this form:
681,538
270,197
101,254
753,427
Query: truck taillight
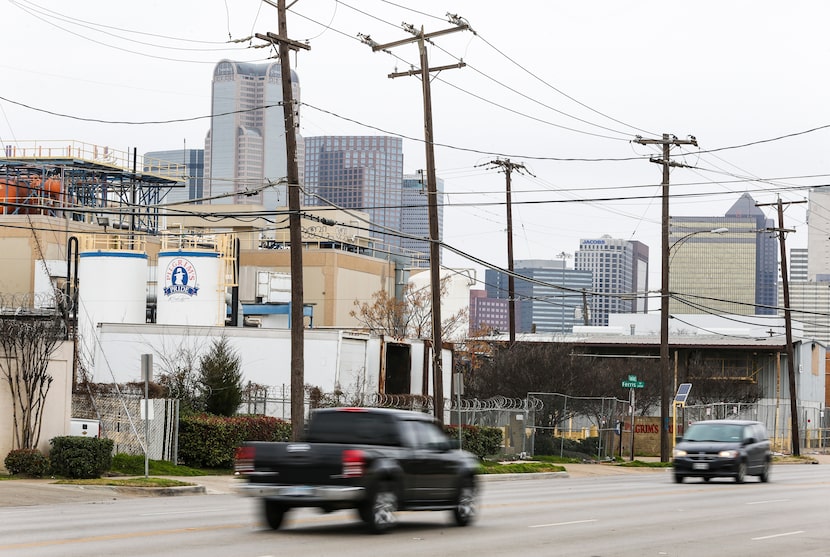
354,462
243,461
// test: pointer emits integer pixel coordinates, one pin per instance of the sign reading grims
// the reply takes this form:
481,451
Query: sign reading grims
180,281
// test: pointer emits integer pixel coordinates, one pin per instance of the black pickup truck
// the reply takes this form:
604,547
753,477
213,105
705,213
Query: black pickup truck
374,460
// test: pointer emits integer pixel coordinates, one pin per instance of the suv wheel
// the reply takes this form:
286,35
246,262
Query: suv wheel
741,474
764,475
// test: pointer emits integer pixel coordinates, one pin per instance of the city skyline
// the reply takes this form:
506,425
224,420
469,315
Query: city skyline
581,185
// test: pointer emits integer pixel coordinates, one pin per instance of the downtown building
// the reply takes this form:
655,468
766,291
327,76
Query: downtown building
809,270
724,272
193,182
415,217
620,276
245,148
552,301
366,173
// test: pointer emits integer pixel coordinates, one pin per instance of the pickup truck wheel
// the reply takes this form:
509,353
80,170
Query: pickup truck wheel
379,511
466,506
274,514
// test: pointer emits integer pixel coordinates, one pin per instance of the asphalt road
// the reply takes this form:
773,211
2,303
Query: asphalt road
594,511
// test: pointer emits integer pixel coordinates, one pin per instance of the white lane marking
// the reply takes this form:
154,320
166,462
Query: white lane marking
768,502
778,535
562,523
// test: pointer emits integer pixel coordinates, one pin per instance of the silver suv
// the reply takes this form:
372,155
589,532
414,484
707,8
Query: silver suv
723,448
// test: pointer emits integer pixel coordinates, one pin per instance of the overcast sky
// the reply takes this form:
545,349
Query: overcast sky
546,82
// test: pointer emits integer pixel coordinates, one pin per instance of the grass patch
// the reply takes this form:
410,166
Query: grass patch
557,459
643,464
133,465
128,482
490,467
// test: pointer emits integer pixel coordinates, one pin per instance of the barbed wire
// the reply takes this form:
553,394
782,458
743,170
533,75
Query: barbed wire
42,303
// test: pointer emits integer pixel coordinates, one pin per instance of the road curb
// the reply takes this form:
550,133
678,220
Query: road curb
160,491
528,476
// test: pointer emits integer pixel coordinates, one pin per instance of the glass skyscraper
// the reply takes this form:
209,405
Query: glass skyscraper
735,272
620,276
554,304
245,147
193,162
415,217
359,172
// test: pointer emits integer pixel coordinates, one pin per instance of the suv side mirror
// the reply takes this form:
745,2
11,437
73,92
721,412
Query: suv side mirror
750,441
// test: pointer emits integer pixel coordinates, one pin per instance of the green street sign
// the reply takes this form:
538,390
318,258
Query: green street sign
633,384
632,377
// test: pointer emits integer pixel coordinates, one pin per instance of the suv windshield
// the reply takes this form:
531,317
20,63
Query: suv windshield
721,433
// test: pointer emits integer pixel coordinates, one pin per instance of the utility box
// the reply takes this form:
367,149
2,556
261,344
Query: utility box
79,427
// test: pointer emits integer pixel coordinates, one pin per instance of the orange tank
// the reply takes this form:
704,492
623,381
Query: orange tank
8,194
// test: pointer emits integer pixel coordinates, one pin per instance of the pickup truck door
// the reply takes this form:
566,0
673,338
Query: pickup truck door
436,465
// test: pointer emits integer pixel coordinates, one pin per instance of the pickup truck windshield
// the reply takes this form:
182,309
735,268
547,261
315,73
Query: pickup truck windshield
352,428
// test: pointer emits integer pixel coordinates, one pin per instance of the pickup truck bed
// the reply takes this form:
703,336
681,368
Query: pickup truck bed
376,461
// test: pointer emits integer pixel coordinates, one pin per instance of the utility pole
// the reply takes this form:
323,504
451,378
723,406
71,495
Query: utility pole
432,193
788,327
665,364
508,168
294,230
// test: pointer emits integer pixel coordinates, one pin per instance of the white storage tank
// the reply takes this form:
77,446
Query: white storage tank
190,290
112,288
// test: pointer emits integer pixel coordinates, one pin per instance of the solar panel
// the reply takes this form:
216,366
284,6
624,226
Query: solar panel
683,392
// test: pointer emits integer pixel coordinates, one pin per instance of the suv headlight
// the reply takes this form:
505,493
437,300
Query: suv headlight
728,454
678,452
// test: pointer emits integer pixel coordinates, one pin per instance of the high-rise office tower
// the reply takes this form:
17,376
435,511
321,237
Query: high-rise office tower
192,161
550,303
798,264
359,172
620,276
245,147
415,217
490,313
730,272
818,230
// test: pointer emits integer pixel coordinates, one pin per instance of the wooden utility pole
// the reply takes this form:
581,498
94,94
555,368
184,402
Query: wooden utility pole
665,364
432,196
788,327
294,229
508,168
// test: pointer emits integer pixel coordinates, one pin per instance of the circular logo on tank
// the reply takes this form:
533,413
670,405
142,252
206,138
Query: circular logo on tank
180,281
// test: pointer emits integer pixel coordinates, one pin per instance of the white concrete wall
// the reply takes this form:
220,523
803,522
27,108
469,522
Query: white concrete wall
57,411
333,358
457,297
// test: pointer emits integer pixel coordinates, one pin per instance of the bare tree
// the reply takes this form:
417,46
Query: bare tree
410,315
179,371
28,345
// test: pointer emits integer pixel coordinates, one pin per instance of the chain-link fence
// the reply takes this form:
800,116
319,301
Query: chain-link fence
813,422
558,424
122,420
512,415
570,425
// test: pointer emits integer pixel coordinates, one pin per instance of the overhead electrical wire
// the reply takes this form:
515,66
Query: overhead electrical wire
114,47
512,89
93,25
